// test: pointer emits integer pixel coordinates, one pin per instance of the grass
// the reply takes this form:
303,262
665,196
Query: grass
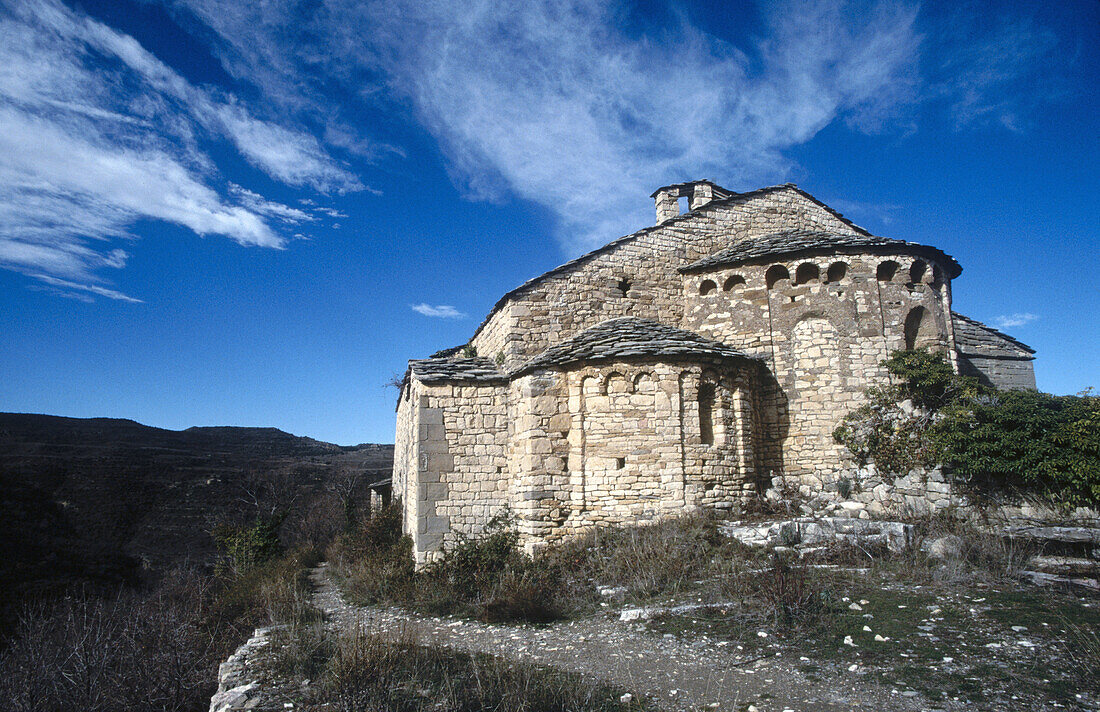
358,671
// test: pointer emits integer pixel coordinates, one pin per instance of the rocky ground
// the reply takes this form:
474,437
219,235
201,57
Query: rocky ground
948,645
993,651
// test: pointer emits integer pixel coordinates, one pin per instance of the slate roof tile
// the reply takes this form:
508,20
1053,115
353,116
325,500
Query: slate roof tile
801,241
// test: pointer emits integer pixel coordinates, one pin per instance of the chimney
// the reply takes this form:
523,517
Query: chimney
698,193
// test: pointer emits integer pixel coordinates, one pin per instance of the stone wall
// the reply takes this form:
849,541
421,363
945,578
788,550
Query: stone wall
823,326
456,477
564,450
637,275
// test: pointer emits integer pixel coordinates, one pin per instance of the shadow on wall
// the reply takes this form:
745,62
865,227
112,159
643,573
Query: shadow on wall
775,424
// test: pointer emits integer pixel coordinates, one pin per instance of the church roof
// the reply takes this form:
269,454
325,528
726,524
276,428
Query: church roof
439,370
973,338
626,338
806,242
708,207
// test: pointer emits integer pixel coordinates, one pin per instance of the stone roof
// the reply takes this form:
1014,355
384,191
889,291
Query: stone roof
973,338
721,202
439,370
628,338
806,242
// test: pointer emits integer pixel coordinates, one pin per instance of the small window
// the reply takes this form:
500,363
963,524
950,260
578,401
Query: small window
620,463
623,285
887,270
807,272
708,286
776,274
837,271
734,282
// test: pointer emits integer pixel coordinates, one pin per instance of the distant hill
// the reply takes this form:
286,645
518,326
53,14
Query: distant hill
100,498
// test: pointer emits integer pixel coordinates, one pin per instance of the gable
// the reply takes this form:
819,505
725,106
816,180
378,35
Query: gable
653,255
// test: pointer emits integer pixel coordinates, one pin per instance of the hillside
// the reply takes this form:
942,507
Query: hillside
101,498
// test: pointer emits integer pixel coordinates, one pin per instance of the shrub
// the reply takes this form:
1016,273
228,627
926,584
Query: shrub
244,547
1027,440
1034,441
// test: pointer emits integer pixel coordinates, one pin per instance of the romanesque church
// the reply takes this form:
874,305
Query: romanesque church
684,366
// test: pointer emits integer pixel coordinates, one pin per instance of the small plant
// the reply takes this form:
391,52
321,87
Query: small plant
844,487
499,360
245,547
468,351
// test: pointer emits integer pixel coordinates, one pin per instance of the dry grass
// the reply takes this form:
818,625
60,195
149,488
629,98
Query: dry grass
389,673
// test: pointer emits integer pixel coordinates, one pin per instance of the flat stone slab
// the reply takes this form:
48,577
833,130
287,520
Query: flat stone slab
807,531
1065,535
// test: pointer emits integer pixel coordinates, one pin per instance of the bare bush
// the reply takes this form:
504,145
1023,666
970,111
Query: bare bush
152,652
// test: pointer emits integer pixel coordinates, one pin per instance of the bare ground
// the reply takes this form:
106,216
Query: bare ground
678,672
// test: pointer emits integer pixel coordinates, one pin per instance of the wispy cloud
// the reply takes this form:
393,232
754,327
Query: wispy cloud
992,74
440,311
97,133
1010,321
550,101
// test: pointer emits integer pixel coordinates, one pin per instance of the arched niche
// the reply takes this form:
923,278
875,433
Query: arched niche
919,273
707,286
616,383
920,330
837,271
886,271
807,272
733,282
775,275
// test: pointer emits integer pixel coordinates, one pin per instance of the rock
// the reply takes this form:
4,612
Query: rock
944,548
625,699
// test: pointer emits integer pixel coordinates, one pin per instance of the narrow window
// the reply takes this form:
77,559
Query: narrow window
706,413
623,286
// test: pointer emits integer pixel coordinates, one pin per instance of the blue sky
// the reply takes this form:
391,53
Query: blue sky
215,212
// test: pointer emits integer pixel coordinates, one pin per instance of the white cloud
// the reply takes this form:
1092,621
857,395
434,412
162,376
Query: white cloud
1009,321
441,311
97,133
551,102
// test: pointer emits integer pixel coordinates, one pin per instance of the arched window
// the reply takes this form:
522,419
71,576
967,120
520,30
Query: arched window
707,287
807,272
776,274
734,282
920,330
887,270
837,271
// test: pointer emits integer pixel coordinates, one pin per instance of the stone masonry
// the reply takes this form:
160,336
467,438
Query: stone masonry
689,365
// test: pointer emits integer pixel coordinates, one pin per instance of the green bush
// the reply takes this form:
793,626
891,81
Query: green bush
1046,444
245,547
1026,440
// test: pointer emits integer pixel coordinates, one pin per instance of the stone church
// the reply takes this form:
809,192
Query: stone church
684,366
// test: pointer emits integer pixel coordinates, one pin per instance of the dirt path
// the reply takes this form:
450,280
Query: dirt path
679,675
